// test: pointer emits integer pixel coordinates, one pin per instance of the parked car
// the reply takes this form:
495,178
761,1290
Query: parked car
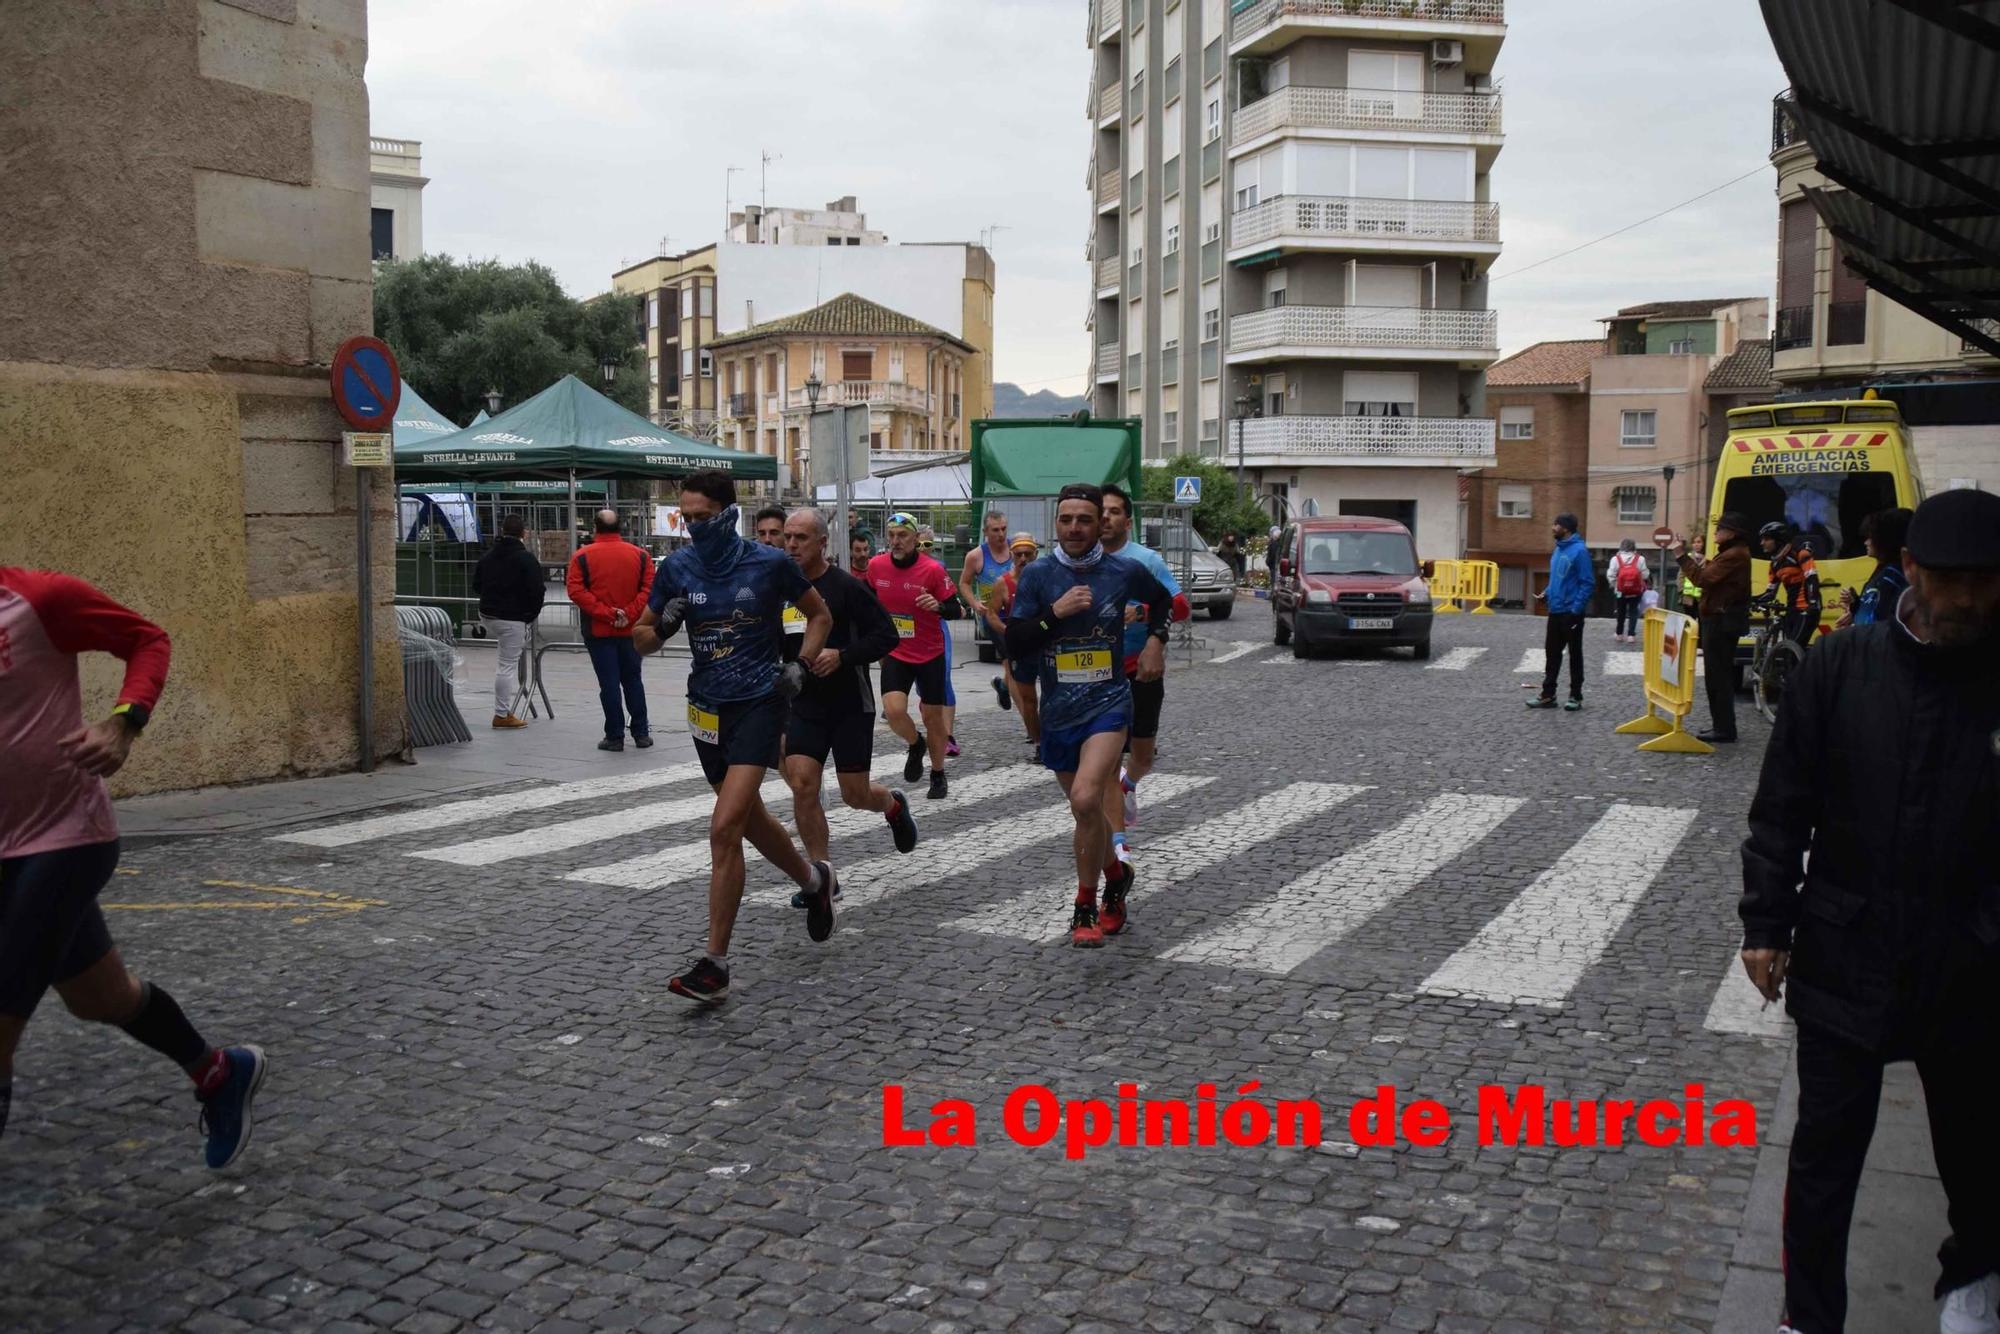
1210,582
1353,581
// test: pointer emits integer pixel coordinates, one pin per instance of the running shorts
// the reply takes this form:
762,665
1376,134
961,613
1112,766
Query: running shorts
849,736
930,678
51,928
747,732
1062,747
1024,672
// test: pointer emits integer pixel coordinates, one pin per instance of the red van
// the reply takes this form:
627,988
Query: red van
1350,581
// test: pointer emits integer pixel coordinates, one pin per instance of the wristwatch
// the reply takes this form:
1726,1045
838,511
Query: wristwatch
134,716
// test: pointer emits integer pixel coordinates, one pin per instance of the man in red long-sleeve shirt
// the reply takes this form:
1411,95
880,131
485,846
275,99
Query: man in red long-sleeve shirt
609,581
59,840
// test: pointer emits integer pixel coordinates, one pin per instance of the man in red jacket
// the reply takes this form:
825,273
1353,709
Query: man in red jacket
59,841
609,581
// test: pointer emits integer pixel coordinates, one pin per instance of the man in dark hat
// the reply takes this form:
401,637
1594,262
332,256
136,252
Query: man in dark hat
1885,766
1723,584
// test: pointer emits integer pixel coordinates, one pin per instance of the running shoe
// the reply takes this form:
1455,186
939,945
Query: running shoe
1972,1309
1111,917
913,763
951,747
1131,800
1083,929
1000,689
900,824
704,984
937,791
225,1109
1542,702
1573,704
799,898
819,903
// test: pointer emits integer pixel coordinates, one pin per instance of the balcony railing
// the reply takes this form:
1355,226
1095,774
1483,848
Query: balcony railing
739,405
1783,133
1459,13
1107,272
1793,329
1300,108
1401,327
1111,101
875,393
1109,188
1308,216
1466,440
1107,361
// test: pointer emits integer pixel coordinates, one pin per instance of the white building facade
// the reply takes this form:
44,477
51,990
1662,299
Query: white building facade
396,184
1292,226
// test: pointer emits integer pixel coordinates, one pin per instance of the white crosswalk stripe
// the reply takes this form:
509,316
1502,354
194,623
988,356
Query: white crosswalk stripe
1042,913
1282,660
1233,654
1327,903
566,834
1457,660
669,865
1628,662
1739,1007
474,809
961,853
1538,947
1533,662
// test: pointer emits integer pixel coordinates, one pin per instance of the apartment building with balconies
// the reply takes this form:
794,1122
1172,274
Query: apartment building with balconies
910,375
677,318
1292,227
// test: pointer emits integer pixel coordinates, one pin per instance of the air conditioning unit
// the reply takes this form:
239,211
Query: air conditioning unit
1447,53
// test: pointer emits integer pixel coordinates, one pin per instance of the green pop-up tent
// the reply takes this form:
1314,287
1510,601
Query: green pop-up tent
417,422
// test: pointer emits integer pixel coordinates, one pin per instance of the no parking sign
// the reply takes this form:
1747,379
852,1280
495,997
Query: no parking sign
366,383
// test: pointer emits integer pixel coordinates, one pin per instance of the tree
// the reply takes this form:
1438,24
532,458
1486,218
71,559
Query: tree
1219,510
462,327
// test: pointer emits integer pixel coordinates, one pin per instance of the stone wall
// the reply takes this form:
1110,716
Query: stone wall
186,244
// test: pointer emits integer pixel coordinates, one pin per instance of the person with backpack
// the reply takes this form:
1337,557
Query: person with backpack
1629,578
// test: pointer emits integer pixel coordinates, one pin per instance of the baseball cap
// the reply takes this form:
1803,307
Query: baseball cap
1956,530
900,519
1026,540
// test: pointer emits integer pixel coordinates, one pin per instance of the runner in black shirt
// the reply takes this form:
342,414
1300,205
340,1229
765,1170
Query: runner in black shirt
835,711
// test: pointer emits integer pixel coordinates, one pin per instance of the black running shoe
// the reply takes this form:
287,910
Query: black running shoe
913,763
819,903
704,984
799,897
1000,689
900,824
937,786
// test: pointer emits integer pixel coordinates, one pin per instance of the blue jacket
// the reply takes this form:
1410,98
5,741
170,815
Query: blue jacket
1570,581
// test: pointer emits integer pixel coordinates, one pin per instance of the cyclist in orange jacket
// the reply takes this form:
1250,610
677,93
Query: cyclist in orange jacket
1794,589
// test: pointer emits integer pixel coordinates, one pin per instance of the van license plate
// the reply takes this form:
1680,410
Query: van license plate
1371,622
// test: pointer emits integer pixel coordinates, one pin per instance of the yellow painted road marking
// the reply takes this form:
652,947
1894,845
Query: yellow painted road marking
320,902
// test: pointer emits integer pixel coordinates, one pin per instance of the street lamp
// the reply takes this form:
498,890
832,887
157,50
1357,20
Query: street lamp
1667,520
1242,411
492,402
609,366
813,387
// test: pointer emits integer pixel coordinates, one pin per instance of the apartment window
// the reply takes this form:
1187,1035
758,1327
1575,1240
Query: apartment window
707,364
1680,347
1380,393
1274,395
652,370
1173,240
896,364
707,302
1638,428
687,303
857,365
687,363
1211,325
1797,259
653,311
1170,427
1212,123
1275,288
1846,305
1517,424
1635,504
1516,501
382,232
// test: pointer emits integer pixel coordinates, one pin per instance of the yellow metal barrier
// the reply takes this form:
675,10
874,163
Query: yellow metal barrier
1479,583
1446,580
1671,644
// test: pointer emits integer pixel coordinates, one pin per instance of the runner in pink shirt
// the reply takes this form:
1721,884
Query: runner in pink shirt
59,840
919,596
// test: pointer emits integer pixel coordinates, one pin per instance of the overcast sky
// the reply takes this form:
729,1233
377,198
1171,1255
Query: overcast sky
580,134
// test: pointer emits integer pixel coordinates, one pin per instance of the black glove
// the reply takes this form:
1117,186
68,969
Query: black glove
791,680
671,617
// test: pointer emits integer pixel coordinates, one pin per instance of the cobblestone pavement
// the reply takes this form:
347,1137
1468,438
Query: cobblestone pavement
485,1109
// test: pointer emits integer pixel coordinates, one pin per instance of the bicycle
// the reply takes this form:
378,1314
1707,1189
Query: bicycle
1774,656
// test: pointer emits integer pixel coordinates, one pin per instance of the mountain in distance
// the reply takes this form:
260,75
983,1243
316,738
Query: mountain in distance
1009,401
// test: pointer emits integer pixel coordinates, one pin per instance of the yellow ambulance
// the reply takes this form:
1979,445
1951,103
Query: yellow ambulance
1821,468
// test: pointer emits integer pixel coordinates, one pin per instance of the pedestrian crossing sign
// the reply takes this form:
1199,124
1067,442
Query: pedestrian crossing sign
1187,490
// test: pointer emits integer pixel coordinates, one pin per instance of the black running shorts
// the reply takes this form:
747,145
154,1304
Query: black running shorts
746,733
51,928
848,735
1147,699
928,677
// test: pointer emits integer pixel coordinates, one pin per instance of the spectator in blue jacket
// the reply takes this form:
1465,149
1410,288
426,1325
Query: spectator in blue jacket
1568,597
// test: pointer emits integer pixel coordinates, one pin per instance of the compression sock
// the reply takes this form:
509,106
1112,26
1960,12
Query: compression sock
161,1026
1087,894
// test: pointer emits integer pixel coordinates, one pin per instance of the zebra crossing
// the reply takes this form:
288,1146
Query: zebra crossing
1616,662
1533,951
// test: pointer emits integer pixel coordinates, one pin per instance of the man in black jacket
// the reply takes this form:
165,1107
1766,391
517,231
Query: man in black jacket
1885,767
508,580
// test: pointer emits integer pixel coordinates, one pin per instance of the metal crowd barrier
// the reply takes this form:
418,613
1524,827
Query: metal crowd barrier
429,709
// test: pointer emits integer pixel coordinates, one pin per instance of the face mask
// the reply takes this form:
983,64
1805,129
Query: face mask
714,539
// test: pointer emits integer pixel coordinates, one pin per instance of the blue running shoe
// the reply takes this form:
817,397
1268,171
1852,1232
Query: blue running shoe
225,1113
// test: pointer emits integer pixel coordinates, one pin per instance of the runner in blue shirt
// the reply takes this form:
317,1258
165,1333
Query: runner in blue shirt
1148,697
731,595
1069,617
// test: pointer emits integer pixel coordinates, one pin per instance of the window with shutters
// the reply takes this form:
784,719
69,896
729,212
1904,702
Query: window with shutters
857,365
1846,305
1517,501
1635,504
1517,423
1797,252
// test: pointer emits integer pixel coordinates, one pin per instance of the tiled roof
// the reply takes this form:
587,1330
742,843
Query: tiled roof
1680,310
846,316
1566,363
1747,368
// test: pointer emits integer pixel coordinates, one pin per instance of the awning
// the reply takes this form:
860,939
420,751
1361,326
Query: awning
1636,492
1897,100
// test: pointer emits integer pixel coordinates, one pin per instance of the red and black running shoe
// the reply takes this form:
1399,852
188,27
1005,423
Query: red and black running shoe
704,984
1083,929
1111,917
